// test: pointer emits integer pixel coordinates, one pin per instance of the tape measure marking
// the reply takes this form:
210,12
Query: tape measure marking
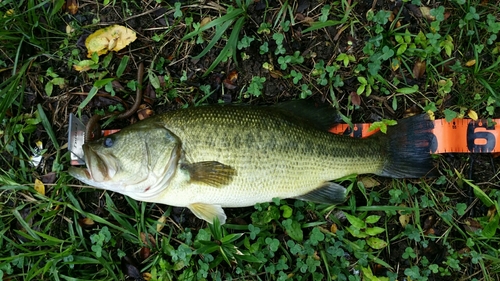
457,136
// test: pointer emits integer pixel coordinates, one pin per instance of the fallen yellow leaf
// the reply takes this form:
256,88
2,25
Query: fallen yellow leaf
86,222
84,65
369,182
470,63
205,21
147,276
491,213
404,220
161,223
69,29
426,13
395,64
431,115
112,38
333,228
39,186
472,115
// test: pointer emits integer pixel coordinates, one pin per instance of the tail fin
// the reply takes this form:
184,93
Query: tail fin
409,148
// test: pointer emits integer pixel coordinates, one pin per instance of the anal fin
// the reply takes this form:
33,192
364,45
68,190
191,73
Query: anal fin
329,193
208,212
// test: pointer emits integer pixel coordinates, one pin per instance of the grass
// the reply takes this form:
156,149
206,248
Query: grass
371,63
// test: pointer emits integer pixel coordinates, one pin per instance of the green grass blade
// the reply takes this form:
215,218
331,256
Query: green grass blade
47,126
12,88
230,48
218,34
89,97
24,224
217,22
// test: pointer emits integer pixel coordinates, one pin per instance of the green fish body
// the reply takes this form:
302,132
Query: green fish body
207,158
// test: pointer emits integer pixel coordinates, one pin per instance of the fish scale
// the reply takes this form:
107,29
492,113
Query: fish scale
256,142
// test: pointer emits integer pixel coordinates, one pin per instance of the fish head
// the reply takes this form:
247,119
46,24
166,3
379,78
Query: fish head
138,161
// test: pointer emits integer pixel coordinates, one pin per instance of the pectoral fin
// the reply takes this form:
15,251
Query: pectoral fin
208,212
329,193
211,173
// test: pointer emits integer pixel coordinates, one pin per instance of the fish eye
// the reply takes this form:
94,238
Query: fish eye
108,142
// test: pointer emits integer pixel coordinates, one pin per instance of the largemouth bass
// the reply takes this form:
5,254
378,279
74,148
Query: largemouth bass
207,158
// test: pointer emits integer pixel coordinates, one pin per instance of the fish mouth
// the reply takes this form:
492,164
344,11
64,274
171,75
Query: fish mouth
99,168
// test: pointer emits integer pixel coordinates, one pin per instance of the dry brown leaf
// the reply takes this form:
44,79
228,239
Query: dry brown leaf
430,231
299,17
355,99
205,21
315,256
447,14
391,16
72,6
419,69
39,186
464,251
86,222
429,222
472,225
412,111
492,211
144,253
276,74
308,21
230,81
49,178
111,38
144,112
150,238
232,76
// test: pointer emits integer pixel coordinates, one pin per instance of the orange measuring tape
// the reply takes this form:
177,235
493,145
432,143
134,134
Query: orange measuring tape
457,136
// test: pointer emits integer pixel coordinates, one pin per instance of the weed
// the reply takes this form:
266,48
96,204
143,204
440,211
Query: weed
256,86
305,91
54,80
236,16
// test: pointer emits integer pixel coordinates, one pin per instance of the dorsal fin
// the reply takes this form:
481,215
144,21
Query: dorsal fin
320,116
